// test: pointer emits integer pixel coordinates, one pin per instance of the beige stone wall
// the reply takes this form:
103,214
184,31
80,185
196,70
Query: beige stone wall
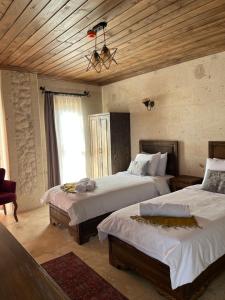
20,100
24,109
189,107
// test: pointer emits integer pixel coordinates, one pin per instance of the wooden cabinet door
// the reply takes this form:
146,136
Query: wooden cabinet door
95,144
105,146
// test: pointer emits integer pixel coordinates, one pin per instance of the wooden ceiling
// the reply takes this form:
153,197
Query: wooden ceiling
49,37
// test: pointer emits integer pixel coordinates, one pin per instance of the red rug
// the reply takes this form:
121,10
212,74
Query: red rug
79,281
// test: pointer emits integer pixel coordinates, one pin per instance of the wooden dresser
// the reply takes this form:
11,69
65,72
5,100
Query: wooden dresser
110,143
21,277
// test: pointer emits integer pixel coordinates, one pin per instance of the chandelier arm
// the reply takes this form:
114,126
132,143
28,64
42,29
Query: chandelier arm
96,40
104,34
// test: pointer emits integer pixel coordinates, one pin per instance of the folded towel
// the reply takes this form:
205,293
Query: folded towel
91,185
164,209
81,188
84,180
85,185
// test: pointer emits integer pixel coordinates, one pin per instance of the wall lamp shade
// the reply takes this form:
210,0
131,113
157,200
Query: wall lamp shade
149,104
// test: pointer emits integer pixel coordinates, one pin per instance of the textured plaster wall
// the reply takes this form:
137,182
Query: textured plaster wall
189,107
24,109
20,100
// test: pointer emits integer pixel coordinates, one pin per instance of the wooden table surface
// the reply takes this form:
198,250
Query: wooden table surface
21,278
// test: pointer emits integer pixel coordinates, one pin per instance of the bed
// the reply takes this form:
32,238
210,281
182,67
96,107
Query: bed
82,228
128,251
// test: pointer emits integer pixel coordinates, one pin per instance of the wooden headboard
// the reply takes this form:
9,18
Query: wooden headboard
217,149
171,147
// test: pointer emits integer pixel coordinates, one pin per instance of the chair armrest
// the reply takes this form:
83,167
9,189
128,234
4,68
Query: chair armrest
8,186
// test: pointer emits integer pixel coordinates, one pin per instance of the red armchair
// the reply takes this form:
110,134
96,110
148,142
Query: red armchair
7,192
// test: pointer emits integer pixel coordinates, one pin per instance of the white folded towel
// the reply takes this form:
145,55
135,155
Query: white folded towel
81,188
84,180
164,209
85,185
91,185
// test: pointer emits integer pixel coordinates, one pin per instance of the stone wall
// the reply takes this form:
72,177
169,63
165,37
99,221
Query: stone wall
189,107
20,98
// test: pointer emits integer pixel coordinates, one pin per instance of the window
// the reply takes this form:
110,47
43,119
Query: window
70,138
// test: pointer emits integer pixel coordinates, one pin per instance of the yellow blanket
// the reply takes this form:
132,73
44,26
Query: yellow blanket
167,222
69,187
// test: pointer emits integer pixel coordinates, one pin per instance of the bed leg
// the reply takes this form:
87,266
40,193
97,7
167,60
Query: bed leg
53,221
79,236
117,264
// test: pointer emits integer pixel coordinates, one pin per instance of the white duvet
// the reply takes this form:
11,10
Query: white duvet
187,252
111,193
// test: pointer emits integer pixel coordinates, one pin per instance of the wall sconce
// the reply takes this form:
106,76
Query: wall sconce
148,103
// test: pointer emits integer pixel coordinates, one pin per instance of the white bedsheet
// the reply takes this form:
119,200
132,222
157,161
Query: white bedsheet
111,193
187,252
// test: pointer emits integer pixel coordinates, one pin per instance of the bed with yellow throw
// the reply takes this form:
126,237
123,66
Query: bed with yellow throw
180,259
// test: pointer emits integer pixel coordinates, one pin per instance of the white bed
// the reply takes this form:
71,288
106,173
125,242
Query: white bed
111,193
81,213
187,252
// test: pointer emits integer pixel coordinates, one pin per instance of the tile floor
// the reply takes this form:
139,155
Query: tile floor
45,242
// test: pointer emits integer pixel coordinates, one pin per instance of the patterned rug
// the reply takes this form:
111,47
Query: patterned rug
79,281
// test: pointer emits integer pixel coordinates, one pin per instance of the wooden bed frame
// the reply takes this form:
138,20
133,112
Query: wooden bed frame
83,231
125,256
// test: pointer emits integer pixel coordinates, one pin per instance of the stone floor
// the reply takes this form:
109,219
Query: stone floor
45,242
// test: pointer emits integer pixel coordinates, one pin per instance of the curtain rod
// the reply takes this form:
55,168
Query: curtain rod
84,94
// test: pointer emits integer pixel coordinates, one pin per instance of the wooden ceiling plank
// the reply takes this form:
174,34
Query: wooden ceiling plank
123,37
154,13
156,43
28,48
156,29
186,40
134,10
167,21
104,12
30,29
194,30
11,15
25,18
150,68
121,8
151,33
137,20
169,52
4,5
81,15
197,53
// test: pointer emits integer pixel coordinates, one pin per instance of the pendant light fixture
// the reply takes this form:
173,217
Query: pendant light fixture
95,59
106,56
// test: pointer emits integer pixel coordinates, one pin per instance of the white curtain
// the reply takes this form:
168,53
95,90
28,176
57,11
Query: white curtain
70,137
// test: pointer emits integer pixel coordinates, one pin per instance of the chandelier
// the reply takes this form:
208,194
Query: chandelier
104,57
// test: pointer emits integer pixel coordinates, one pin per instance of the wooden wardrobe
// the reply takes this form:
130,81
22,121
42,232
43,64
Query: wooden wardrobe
109,143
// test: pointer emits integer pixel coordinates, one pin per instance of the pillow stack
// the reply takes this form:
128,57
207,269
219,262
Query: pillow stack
149,164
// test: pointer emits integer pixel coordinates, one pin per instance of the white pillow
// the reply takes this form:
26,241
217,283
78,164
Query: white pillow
153,161
214,164
161,170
